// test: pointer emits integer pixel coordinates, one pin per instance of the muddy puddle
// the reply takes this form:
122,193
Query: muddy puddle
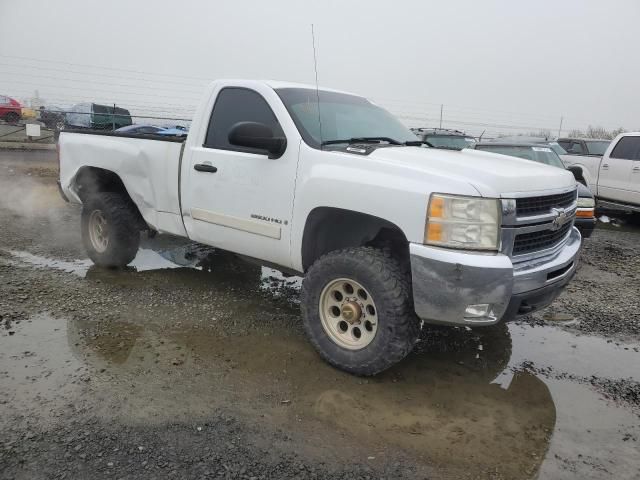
516,400
157,254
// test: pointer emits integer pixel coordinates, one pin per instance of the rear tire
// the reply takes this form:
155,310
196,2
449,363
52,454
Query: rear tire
357,310
12,117
110,229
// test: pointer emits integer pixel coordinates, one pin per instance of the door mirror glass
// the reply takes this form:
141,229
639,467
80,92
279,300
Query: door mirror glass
259,136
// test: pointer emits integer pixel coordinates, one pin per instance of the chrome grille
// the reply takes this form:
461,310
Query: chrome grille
526,207
540,240
537,225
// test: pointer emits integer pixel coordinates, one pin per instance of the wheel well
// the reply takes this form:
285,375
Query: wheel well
92,180
328,229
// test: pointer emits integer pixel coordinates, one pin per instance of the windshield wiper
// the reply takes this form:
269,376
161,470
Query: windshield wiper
417,143
362,140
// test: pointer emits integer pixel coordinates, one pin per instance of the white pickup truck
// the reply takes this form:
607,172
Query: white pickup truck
612,171
387,232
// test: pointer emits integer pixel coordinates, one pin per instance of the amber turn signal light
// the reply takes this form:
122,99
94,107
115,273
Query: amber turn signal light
589,213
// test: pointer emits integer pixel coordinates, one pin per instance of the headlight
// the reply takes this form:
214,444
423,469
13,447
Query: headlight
586,202
463,222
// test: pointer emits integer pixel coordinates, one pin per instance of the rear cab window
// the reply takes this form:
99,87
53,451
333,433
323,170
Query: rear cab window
575,148
597,147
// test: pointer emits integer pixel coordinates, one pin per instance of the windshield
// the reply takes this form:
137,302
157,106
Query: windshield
555,146
537,154
597,147
454,142
342,117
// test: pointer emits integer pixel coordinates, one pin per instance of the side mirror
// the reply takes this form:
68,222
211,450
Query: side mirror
259,136
577,172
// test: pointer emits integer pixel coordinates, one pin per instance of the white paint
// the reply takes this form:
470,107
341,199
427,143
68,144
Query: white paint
251,226
148,169
217,208
614,179
32,130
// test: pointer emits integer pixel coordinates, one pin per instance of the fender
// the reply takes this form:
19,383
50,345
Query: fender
149,174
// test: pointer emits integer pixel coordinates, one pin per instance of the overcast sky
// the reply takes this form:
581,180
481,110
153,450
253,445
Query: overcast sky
493,64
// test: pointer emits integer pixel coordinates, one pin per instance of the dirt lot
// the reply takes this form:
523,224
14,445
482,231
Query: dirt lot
193,364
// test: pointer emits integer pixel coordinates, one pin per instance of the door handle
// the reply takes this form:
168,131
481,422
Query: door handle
605,166
636,169
204,167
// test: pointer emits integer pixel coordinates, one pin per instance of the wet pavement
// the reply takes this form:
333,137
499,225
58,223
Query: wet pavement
194,362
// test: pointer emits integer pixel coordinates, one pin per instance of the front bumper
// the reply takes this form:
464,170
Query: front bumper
446,282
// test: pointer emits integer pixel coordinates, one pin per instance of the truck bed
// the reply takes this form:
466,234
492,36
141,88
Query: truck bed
148,165
111,133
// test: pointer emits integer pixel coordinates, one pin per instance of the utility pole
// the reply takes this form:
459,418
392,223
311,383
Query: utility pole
560,128
441,107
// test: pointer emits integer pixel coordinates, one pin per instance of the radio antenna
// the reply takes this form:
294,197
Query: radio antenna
315,66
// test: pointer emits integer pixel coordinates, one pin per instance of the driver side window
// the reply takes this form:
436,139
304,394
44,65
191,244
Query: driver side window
235,105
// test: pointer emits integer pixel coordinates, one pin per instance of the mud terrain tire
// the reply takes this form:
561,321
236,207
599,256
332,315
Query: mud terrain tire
12,117
117,243
389,287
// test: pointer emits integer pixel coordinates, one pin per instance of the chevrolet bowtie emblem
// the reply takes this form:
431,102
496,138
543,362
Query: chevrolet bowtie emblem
560,219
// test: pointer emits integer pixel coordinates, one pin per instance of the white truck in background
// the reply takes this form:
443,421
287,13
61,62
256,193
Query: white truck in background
612,171
324,184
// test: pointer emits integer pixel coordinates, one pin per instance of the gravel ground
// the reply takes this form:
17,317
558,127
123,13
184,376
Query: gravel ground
192,364
604,297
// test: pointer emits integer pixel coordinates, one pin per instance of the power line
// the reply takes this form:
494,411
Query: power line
478,124
408,102
96,82
157,80
482,124
552,121
466,108
103,67
110,92
139,104
486,121
494,117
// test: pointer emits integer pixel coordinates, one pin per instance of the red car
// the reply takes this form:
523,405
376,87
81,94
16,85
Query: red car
10,109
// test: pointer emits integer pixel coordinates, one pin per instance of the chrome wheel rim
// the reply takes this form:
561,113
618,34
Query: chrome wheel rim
348,314
98,231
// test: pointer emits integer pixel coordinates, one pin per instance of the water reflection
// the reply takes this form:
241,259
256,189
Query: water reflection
221,336
441,404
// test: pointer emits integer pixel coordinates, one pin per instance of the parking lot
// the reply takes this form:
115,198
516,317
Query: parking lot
193,363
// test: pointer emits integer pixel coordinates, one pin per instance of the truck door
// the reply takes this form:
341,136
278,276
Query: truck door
238,199
619,177
635,180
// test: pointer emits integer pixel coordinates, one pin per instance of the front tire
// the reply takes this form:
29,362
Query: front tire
358,310
110,230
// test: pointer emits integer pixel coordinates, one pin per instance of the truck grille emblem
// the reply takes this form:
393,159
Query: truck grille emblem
560,219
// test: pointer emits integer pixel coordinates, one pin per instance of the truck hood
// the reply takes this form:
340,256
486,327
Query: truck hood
491,174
